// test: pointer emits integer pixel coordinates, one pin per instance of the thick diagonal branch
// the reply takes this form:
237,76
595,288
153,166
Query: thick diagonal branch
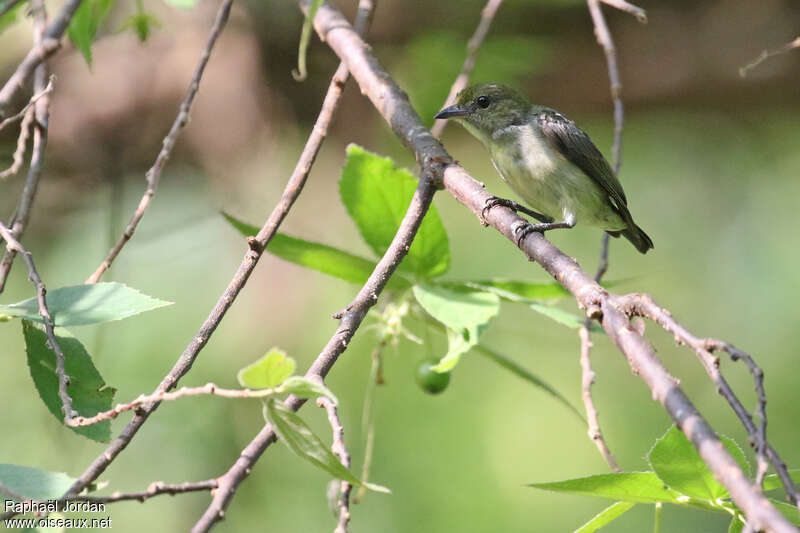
391,102
237,283
349,322
185,361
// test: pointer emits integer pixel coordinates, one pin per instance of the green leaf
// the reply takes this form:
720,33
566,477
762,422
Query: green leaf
377,194
183,4
83,27
306,388
529,294
520,291
80,305
305,37
465,312
457,308
772,481
10,17
457,345
789,511
268,371
736,525
90,394
291,429
34,484
636,487
565,318
142,24
677,463
528,376
605,517
319,257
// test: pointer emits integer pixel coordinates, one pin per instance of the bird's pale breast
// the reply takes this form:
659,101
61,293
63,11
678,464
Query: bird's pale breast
547,181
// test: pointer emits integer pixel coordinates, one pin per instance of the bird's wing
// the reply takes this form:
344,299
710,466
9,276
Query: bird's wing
576,146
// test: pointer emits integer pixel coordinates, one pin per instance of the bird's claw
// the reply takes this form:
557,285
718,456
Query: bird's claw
523,230
490,203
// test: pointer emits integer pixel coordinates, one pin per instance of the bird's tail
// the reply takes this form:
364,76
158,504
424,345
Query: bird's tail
636,235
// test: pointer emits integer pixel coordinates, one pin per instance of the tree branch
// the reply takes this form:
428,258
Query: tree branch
349,322
766,54
184,362
393,105
237,283
644,306
475,42
156,488
209,389
340,450
40,118
37,112
594,431
606,42
49,44
153,175
19,116
13,244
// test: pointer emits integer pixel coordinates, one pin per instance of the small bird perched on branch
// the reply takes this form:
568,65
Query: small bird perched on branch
548,161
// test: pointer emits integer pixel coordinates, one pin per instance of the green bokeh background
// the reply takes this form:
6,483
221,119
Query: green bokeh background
711,166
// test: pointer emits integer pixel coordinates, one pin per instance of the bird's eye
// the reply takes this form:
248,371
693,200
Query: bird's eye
483,101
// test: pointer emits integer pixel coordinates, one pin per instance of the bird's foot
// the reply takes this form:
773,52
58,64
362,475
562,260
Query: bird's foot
518,208
523,230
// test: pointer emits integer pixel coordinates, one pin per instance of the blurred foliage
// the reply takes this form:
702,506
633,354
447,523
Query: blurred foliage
11,16
432,60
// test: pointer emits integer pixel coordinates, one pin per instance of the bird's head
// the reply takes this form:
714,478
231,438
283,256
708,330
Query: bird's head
487,107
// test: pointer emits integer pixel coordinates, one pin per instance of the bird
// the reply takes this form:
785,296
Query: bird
548,161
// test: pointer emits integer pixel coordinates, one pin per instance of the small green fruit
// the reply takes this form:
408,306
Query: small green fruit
429,380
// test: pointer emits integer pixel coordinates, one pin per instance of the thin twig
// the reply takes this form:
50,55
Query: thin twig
606,42
766,54
153,175
22,144
19,116
231,479
622,5
185,361
350,320
237,283
592,417
40,120
644,306
475,42
209,389
41,292
393,105
157,488
49,44
339,450
154,489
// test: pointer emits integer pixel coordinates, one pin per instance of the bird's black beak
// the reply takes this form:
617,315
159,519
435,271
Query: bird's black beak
452,111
